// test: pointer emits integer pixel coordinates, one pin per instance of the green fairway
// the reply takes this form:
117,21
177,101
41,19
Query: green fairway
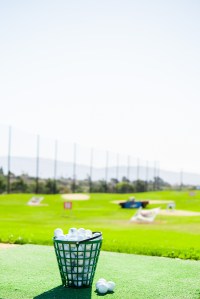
31,271
168,236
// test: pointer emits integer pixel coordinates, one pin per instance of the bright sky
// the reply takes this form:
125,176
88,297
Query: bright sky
117,75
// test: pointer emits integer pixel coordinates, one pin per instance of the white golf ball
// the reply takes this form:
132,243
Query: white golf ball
80,237
102,287
63,262
87,254
78,269
61,238
73,230
88,233
77,280
66,247
99,281
88,247
77,283
70,258
86,262
80,262
80,250
69,276
97,235
58,232
111,285
81,231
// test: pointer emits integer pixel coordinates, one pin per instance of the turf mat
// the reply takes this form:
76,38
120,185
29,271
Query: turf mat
31,271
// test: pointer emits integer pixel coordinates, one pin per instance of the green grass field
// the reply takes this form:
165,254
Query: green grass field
168,236
31,272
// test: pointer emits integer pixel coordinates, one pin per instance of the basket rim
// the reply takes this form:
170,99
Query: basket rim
86,241
76,242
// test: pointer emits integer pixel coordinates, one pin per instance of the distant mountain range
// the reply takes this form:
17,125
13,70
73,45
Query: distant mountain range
27,165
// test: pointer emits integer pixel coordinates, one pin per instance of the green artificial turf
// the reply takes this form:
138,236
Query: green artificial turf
168,236
30,271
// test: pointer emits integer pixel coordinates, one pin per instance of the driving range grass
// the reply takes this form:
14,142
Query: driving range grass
31,272
168,236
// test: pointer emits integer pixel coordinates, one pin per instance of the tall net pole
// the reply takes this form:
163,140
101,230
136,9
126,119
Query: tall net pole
128,168
74,170
91,169
106,171
147,175
154,183
138,169
37,165
55,165
117,167
9,157
181,179
158,175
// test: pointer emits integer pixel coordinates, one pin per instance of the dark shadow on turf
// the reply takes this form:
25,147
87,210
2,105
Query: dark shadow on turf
61,292
101,295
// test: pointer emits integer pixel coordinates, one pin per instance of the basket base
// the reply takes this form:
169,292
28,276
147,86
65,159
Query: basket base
76,287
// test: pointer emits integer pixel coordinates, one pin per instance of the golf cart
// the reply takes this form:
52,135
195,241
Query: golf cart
132,204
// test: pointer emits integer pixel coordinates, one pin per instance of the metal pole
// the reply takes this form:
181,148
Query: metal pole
147,174
37,164
9,158
106,171
158,175
55,165
138,169
74,170
154,176
91,169
181,179
128,168
117,168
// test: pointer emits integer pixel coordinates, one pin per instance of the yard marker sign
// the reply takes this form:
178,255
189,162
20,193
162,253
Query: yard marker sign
67,205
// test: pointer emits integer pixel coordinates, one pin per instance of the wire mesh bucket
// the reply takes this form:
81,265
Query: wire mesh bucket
77,261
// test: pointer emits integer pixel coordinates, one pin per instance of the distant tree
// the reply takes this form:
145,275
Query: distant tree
99,186
114,181
51,187
125,179
140,186
19,185
41,188
1,171
124,187
2,184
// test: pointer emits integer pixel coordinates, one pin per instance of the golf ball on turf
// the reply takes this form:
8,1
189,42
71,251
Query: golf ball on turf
99,281
111,286
102,287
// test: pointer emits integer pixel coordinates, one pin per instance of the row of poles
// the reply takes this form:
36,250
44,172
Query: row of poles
156,166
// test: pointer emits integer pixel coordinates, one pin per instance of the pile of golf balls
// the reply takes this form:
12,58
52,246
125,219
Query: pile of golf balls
77,261
104,286
75,234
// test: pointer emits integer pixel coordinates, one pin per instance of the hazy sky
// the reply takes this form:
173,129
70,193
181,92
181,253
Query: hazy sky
117,75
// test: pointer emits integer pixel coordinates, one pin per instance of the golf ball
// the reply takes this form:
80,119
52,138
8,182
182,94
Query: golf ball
88,233
77,280
58,232
73,230
111,285
102,287
78,269
99,281
81,231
